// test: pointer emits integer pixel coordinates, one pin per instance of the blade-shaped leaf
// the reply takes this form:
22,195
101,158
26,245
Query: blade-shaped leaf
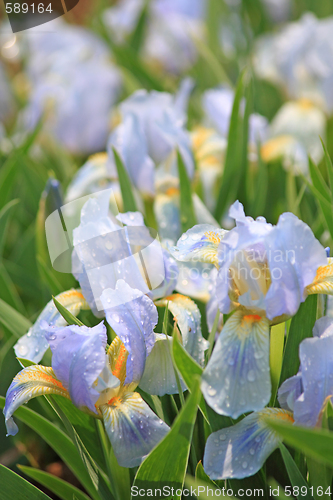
125,184
13,320
300,328
228,187
316,443
67,315
297,480
187,214
59,441
61,488
14,486
166,465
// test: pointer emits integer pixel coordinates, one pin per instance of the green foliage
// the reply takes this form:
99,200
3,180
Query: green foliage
14,486
167,463
129,204
188,218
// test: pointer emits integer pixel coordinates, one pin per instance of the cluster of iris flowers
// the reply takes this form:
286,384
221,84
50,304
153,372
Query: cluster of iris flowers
155,162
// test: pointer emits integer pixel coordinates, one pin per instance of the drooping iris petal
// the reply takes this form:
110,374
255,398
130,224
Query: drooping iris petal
200,243
316,357
78,358
241,450
27,384
33,344
187,316
159,375
133,428
236,378
133,317
323,281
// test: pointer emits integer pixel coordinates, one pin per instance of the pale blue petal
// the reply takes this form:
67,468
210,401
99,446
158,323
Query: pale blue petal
323,327
103,252
217,104
130,142
131,218
241,450
237,379
167,215
169,274
133,316
195,279
159,375
316,356
78,358
294,255
187,316
33,344
200,243
290,391
133,429
27,384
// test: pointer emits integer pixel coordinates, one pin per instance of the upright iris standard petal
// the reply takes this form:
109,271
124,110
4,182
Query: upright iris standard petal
133,317
200,243
236,378
27,384
133,428
159,376
241,450
129,140
78,358
33,344
187,315
294,255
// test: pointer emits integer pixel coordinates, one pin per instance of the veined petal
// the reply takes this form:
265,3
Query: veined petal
200,243
78,358
236,379
118,358
33,344
316,357
159,375
241,450
323,282
27,384
133,317
133,428
187,315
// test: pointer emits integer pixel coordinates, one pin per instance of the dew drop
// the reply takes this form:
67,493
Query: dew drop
211,391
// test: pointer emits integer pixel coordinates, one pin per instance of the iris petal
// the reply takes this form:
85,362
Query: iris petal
159,375
187,315
316,356
323,282
200,243
133,428
27,384
241,450
237,379
33,344
133,317
78,358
